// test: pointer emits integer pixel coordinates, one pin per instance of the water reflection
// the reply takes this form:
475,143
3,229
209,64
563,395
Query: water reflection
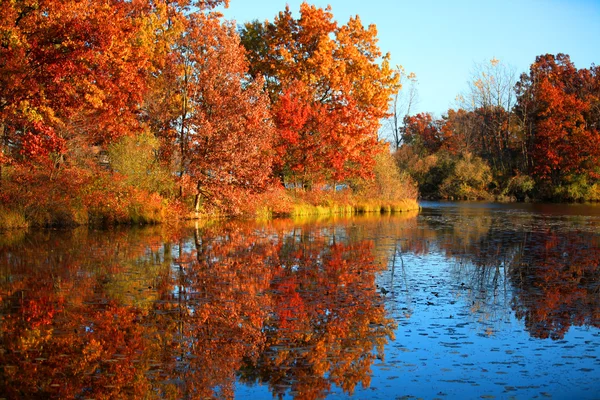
106,315
550,260
557,282
364,305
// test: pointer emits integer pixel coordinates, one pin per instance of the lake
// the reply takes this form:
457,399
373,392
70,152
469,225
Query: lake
459,300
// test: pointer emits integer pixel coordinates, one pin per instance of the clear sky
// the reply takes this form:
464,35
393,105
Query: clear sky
441,40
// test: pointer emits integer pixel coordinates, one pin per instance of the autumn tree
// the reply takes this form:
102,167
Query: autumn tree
72,75
330,86
164,104
436,153
557,108
423,133
402,104
72,78
76,77
224,129
460,131
490,96
536,139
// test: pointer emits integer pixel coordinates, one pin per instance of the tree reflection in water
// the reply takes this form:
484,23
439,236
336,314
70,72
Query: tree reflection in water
296,307
557,282
547,268
107,315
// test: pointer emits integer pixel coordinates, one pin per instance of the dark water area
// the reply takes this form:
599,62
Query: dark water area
459,300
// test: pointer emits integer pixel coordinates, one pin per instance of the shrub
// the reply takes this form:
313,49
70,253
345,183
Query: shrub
468,179
390,184
11,218
134,157
110,199
520,186
576,189
45,196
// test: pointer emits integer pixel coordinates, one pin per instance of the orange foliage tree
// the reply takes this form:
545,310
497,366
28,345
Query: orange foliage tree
72,78
330,87
556,104
225,131
72,74
213,122
459,130
422,133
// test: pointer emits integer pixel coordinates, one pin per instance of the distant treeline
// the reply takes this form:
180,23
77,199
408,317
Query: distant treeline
535,138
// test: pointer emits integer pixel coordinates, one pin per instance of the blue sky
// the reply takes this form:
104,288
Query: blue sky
442,40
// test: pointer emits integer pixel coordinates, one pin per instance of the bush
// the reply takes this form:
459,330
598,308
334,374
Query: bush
468,180
12,218
390,184
520,186
594,192
69,196
45,196
110,199
576,189
419,169
134,157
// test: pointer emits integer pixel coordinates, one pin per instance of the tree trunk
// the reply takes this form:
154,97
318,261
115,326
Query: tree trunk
198,197
3,141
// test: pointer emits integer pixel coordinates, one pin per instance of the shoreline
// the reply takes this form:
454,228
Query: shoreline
15,220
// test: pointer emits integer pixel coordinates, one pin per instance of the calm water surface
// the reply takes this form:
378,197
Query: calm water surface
461,300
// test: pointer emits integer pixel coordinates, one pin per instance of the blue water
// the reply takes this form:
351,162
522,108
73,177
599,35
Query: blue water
458,335
459,300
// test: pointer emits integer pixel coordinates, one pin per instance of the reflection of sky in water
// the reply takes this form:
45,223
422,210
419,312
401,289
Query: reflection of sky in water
451,347
457,335
469,290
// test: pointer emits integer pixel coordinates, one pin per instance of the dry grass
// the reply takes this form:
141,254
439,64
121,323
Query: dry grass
12,218
296,204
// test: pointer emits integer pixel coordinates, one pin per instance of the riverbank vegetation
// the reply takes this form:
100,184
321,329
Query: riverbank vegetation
532,138
119,111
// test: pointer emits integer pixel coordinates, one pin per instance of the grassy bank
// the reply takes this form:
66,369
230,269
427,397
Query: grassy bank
136,213
290,203
369,206
38,197
127,206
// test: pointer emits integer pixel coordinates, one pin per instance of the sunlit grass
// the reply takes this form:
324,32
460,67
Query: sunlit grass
359,207
300,203
12,218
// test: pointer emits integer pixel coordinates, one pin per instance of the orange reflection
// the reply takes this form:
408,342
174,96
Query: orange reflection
557,283
186,314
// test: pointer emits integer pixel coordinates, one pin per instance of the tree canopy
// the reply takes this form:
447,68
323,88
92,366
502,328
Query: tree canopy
214,115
